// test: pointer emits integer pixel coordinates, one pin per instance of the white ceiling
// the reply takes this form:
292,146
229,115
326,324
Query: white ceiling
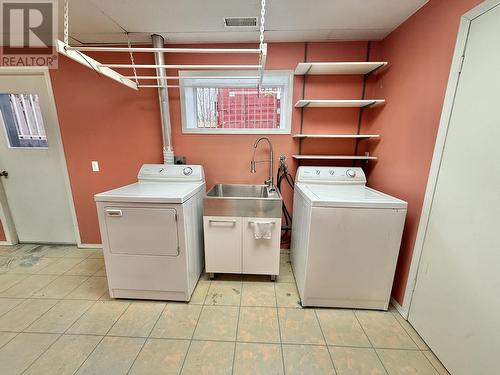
193,21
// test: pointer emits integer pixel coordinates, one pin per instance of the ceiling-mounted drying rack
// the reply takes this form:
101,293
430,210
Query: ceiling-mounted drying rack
75,53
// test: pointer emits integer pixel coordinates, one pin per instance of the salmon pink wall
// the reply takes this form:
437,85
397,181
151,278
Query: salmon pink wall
2,233
419,53
105,121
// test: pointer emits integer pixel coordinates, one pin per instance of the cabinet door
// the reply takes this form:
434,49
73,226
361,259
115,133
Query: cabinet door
222,244
261,256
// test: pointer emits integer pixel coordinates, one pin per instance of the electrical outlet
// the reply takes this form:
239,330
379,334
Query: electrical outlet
95,166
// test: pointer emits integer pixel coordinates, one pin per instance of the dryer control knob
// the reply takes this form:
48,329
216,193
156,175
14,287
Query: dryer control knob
187,171
351,173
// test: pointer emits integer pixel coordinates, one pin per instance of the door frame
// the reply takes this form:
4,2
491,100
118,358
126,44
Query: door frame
444,122
5,216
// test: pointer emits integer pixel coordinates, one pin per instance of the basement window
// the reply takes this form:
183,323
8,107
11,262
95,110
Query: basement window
22,120
227,103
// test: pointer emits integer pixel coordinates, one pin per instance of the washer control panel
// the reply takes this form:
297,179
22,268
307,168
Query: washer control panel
168,172
331,175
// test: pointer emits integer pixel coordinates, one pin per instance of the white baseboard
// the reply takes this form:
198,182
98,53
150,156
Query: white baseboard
5,243
400,309
90,246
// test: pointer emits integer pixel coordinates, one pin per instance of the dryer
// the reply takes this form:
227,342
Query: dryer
152,233
345,239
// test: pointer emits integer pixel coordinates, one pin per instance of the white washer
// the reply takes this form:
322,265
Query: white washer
345,239
152,233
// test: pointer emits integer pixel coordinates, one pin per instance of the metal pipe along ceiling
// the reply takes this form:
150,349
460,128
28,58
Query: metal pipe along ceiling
168,151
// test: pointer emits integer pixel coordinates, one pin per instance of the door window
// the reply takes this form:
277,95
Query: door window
22,120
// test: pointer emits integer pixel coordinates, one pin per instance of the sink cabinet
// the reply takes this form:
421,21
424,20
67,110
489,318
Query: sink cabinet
230,246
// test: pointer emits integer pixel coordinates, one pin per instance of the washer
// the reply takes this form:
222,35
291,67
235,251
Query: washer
345,239
152,233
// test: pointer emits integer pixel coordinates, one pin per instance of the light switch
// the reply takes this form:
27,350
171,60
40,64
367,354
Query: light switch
95,166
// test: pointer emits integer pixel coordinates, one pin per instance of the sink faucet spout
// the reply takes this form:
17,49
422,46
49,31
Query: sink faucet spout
270,181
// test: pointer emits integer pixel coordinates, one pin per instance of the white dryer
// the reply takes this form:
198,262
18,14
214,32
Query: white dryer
152,233
345,239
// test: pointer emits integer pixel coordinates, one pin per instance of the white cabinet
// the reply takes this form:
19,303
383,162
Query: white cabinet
231,247
260,256
222,244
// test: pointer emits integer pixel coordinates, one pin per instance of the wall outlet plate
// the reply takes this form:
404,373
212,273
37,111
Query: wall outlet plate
95,166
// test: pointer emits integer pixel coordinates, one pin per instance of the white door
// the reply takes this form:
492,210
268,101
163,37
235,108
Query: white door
32,155
456,302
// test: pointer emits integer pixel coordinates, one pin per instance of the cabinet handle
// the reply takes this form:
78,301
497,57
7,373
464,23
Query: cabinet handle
233,221
114,213
253,222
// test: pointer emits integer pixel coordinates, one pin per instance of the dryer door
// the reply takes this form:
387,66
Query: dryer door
142,230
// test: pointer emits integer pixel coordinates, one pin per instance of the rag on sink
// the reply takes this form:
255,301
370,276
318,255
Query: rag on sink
262,230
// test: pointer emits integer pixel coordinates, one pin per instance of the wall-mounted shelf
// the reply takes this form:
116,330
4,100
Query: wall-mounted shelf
333,157
324,68
340,103
339,136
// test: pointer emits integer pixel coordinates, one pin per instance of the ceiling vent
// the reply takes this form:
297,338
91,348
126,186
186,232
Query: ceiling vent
240,21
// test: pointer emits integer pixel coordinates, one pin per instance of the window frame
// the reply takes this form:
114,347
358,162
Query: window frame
272,78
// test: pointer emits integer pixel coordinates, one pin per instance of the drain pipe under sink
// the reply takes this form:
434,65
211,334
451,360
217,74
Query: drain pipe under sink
166,129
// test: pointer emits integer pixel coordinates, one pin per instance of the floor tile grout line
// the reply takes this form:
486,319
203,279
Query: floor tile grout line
13,285
236,336
12,338
217,340
406,331
147,338
83,260
59,262
48,265
434,367
13,307
370,341
42,353
192,335
76,320
50,308
57,278
324,339
32,293
157,320
279,330
102,338
64,332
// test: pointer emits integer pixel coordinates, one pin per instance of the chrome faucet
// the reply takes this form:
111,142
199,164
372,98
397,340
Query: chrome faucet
270,181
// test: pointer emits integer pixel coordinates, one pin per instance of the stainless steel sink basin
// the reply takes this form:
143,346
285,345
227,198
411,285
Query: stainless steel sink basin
242,200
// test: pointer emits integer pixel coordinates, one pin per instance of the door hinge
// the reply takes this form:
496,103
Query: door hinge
462,58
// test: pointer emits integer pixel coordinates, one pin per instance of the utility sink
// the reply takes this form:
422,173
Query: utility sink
242,201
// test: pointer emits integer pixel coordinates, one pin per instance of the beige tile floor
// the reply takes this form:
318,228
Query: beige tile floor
56,318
